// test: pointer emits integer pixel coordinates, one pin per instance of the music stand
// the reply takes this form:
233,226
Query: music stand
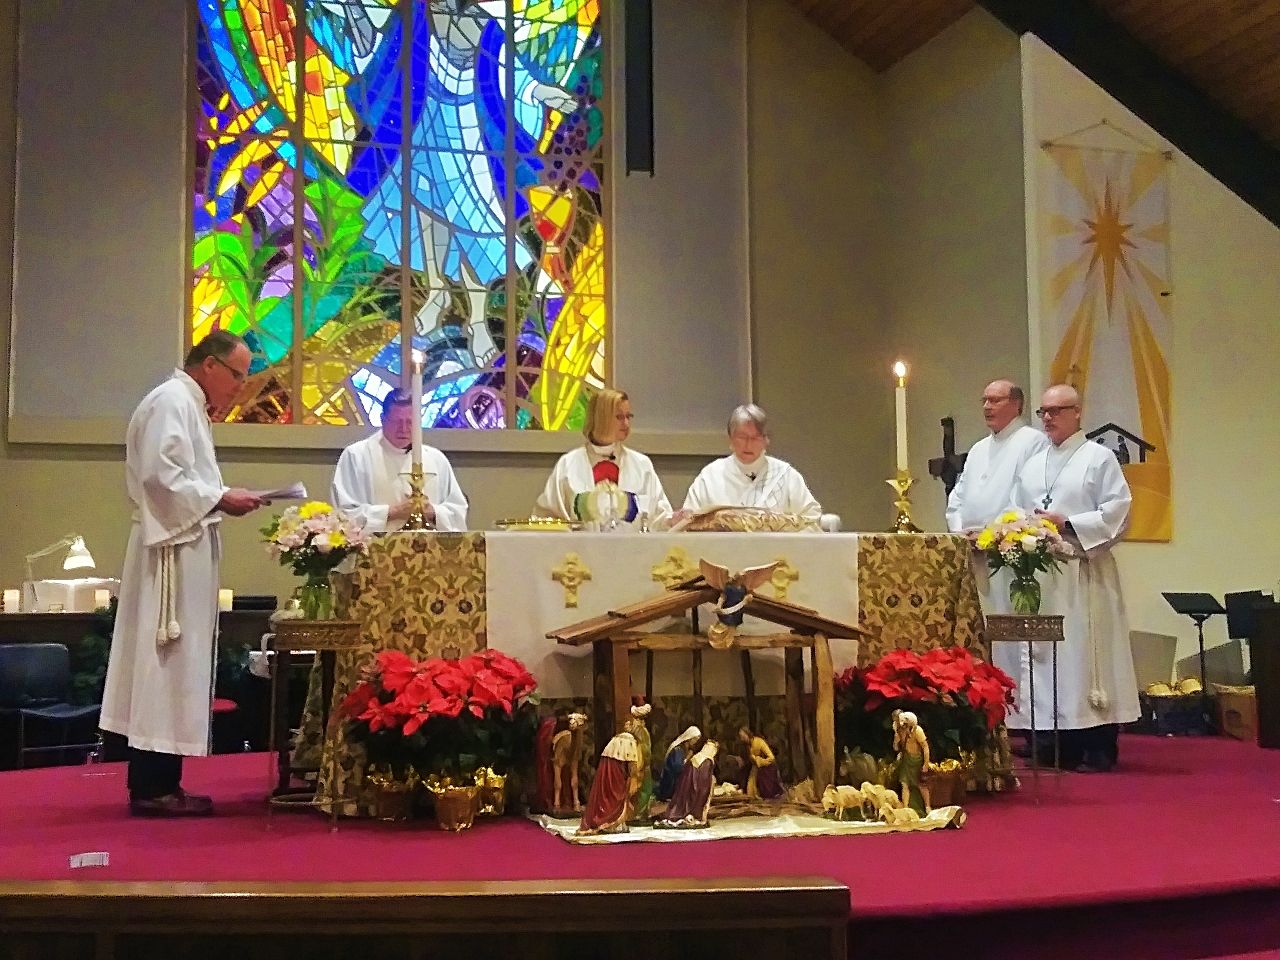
1199,607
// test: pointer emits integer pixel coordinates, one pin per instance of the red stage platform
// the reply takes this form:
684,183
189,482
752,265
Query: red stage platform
1176,854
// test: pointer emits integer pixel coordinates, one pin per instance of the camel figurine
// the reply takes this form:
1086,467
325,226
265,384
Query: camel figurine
566,751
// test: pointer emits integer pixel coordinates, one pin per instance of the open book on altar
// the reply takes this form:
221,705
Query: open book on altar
728,519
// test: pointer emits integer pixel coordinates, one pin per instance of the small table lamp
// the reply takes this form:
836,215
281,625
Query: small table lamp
77,557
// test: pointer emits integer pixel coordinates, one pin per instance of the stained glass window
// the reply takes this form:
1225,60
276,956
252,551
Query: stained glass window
375,177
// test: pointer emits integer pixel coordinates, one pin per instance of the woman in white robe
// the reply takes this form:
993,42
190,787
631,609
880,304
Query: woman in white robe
750,478
1080,486
587,471
159,684
372,478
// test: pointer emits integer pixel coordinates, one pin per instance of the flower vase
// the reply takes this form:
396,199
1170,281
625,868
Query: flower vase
316,598
391,799
1024,594
493,794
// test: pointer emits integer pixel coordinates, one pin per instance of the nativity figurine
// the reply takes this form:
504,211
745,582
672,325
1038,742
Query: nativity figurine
637,728
614,788
763,781
691,804
677,755
912,749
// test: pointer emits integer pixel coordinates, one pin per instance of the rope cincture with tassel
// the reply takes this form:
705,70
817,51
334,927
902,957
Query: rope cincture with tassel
168,629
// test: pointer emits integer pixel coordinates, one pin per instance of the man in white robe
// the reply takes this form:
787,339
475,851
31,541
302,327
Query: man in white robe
372,478
159,685
604,472
748,477
984,490
1080,487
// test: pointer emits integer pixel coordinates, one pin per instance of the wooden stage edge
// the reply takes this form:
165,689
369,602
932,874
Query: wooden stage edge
805,916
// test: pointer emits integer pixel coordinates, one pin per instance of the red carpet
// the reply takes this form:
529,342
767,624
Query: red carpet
1178,851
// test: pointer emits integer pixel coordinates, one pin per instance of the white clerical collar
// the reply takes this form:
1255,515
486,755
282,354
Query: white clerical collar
1010,428
751,470
603,451
389,448
193,388
1071,444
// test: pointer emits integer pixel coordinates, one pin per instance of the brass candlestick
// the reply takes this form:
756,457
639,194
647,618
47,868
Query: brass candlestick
417,518
901,484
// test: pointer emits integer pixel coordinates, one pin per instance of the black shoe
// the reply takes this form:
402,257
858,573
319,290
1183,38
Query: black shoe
177,804
1095,761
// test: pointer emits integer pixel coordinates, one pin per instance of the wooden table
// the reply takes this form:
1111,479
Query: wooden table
236,628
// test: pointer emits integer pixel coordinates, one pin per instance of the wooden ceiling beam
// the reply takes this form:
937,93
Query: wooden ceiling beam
1165,99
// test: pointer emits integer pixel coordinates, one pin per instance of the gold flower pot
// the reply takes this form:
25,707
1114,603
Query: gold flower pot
456,807
493,795
391,800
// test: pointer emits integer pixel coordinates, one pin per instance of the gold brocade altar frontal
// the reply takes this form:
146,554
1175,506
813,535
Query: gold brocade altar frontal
916,592
450,594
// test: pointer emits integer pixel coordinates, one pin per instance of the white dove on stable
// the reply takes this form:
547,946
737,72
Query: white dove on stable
735,590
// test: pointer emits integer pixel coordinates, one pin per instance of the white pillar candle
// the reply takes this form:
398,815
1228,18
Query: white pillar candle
225,597
900,410
101,598
415,391
11,602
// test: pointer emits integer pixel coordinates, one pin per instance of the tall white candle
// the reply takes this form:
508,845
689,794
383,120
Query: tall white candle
900,405
226,599
101,598
415,391
11,601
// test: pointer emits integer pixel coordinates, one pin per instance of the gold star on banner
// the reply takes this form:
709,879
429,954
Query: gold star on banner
1109,237
571,574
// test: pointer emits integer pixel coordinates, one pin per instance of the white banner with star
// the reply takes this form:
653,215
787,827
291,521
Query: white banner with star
1103,233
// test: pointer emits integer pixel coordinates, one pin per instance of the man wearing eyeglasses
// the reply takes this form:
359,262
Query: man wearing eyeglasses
159,686
1080,487
372,477
990,470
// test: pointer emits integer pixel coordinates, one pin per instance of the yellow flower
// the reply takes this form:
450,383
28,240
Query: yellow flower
314,508
985,539
337,539
1009,516
1048,524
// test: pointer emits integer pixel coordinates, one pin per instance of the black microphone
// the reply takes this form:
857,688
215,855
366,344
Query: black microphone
752,477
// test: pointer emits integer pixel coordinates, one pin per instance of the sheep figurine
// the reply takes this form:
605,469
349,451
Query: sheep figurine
837,801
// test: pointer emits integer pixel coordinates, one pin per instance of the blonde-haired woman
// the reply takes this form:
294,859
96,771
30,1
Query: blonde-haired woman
605,480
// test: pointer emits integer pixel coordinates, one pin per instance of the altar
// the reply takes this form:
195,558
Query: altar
450,594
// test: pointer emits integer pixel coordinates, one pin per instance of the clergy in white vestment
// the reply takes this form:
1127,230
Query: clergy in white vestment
372,478
1079,485
159,686
604,479
749,477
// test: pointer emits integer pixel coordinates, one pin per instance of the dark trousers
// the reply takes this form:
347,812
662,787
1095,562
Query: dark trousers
1080,746
153,775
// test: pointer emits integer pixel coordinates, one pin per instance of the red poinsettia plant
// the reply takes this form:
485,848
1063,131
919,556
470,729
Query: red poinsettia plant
441,715
959,700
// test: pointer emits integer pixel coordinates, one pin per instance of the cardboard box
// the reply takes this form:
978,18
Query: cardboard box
1237,711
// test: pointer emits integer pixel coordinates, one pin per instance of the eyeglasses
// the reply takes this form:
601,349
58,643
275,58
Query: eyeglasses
995,400
1044,412
236,374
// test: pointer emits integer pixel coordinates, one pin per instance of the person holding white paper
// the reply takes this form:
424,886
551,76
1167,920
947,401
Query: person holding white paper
748,477
604,476
372,477
159,685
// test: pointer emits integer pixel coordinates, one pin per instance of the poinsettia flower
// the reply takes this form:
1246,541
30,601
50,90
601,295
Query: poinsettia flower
381,716
355,702
448,706
397,669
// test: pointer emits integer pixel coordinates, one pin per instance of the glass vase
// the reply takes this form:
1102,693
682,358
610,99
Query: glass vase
1024,594
316,598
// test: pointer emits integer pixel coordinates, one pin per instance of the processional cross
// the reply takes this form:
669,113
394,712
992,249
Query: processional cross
950,465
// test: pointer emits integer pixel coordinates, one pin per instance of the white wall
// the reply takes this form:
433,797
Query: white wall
1226,394
953,259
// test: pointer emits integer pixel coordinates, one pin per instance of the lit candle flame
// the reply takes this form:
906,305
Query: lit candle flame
900,370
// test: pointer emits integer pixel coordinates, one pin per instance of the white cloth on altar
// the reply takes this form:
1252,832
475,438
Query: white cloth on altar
159,696
1085,484
984,491
573,475
768,483
524,603
372,475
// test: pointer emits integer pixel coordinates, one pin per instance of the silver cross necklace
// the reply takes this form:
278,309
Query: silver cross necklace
1048,487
